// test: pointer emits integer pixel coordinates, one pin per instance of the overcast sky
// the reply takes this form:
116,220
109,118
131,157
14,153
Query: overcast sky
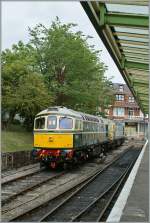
17,16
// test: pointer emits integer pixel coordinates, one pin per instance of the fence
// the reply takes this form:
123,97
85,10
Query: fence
10,160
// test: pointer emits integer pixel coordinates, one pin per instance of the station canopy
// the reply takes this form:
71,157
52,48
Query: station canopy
123,26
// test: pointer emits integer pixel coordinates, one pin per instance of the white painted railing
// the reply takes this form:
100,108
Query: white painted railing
133,117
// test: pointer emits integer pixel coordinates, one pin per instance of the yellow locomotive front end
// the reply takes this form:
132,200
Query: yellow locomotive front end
50,132
53,138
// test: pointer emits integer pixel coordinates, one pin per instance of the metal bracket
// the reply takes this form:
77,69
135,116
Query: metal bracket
123,62
102,14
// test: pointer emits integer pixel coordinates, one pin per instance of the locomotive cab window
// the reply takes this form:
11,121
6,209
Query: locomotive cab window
65,123
40,123
51,122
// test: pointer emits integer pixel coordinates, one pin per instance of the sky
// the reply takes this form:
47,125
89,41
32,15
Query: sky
17,16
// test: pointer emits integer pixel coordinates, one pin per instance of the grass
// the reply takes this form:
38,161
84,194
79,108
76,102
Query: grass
16,138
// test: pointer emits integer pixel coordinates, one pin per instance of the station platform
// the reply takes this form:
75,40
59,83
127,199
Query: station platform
132,204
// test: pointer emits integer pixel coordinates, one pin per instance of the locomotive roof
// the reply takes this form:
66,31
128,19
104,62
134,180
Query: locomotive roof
65,111
59,110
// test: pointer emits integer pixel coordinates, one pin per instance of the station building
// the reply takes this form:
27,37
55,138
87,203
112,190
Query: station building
126,109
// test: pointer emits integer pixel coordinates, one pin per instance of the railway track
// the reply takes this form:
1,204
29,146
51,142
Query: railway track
13,188
80,205
10,176
98,208
39,196
74,204
6,173
35,214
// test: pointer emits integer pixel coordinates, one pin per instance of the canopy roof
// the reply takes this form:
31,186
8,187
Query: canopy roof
123,27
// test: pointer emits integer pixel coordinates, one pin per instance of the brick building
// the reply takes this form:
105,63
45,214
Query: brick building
127,110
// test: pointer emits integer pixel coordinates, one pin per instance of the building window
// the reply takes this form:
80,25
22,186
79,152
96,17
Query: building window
131,112
121,88
131,99
119,97
118,111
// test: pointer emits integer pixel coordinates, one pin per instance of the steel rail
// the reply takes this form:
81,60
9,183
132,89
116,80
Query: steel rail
7,173
39,207
88,179
116,190
82,187
115,186
55,199
11,179
28,188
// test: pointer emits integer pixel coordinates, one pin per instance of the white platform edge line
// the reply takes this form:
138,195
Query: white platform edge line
116,212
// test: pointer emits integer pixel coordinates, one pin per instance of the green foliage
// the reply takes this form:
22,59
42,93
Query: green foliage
32,97
71,68
23,90
56,67
15,64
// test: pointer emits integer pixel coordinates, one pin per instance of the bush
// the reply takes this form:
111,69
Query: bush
16,122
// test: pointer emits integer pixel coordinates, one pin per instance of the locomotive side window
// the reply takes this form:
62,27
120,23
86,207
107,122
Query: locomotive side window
81,125
96,127
85,126
65,123
40,123
51,122
102,128
92,127
107,130
77,124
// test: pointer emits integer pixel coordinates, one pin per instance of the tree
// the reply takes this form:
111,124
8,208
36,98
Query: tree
56,67
14,65
32,97
71,68
18,66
